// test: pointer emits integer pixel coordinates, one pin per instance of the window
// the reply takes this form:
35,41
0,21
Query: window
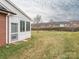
27,26
14,27
22,26
14,30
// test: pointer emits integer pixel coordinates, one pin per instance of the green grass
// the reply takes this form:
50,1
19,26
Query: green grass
12,49
44,45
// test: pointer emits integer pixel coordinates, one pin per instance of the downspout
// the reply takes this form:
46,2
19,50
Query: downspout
7,29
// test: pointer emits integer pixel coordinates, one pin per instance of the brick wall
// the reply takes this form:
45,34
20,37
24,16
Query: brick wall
2,29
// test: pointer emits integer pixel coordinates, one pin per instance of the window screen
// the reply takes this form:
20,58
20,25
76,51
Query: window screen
27,26
14,27
22,26
14,30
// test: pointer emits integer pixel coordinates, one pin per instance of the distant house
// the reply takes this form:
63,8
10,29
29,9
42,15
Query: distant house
49,25
74,23
15,25
70,24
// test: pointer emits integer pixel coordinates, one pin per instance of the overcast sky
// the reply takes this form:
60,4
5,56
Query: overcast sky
57,10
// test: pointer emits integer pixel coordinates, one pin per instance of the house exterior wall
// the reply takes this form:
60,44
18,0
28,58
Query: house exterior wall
62,25
21,35
15,19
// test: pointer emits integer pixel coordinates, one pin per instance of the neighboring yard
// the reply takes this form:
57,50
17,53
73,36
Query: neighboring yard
44,45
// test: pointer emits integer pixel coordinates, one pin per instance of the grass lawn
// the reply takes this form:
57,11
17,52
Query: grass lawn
44,45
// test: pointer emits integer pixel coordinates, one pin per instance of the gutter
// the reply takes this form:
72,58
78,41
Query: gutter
6,12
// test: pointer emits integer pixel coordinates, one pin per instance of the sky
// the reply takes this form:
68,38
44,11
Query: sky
57,10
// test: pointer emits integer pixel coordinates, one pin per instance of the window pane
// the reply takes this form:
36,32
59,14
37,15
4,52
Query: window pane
27,26
22,26
14,27
14,36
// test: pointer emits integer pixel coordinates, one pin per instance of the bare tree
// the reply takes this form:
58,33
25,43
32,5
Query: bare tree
37,19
